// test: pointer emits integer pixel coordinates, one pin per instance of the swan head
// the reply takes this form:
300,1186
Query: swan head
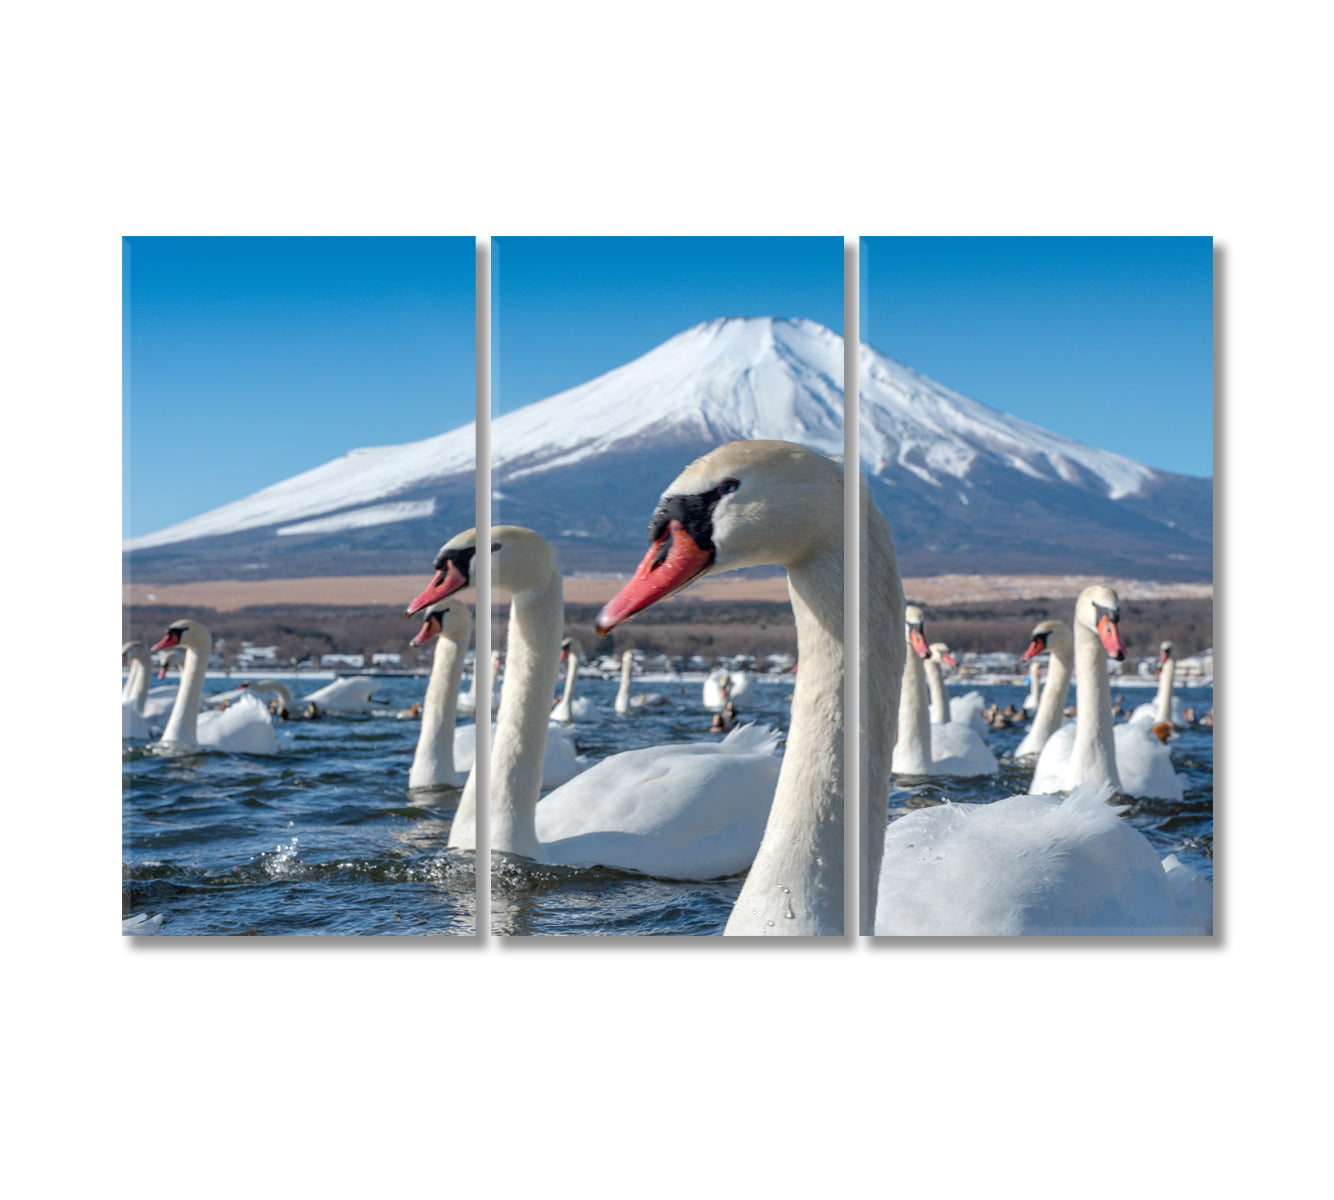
571,647
914,624
187,635
1048,635
1165,652
447,618
520,561
1099,609
744,504
940,653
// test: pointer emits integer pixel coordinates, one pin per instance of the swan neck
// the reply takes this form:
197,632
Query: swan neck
183,724
795,885
136,683
1093,759
433,763
912,754
882,671
935,685
623,692
1051,706
532,651
1164,711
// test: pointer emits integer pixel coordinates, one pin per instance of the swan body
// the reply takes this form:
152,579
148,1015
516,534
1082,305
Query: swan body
768,502
141,924
1125,758
241,728
966,710
349,694
1034,865
132,723
560,758
159,701
1056,639
691,811
923,748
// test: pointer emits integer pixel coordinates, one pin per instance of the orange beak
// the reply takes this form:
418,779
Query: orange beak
170,638
672,562
949,660
918,643
1035,647
430,627
449,581
1111,638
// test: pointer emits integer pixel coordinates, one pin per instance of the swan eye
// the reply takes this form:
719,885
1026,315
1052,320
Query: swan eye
728,486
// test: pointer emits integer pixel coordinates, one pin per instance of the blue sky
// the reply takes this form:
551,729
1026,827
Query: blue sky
249,360
1105,340
565,310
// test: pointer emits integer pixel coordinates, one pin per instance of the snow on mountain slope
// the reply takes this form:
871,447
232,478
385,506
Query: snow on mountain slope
358,478
727,379
914,422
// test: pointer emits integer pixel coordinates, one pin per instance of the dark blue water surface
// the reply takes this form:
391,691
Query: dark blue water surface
321,838
325,838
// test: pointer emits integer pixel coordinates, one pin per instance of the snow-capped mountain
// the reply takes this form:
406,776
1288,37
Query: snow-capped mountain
967,488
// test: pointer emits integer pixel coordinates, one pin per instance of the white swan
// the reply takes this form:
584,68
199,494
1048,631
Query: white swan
649,807
468,701
1127,758
1034,865
923,748
349,694
1054,638
963,710
692,810
134,692
763,502
1165,706
569,709
723,687
625,701
525,744
433,763
241,728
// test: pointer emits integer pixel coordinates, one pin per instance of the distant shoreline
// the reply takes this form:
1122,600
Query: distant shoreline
228,595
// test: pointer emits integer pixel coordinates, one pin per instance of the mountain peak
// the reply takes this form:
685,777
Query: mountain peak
955,476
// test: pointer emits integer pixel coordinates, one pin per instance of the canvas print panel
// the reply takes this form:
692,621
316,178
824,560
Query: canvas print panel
299,426
1037,426
666,410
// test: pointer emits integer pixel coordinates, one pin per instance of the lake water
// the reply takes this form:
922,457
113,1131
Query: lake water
325,838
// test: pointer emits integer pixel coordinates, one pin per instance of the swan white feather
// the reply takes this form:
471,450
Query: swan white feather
1034,865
